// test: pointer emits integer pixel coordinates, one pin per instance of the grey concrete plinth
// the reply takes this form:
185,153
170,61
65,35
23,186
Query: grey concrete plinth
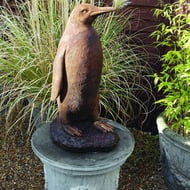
81,171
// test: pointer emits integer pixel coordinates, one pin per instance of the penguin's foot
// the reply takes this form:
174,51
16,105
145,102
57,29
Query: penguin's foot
104,127
73,131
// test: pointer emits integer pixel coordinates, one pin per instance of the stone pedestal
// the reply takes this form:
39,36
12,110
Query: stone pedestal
81,171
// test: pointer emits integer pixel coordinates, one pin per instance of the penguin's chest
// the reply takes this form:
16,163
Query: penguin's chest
83,65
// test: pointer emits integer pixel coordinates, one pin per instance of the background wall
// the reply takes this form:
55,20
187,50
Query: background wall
144,23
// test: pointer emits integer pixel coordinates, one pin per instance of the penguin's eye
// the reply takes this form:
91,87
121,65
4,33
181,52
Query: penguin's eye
84,11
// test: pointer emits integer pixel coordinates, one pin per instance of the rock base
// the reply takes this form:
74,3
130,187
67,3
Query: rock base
92,139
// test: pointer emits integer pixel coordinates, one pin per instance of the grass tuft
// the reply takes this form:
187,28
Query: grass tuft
28,43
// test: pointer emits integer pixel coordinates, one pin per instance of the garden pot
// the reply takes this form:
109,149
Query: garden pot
175,157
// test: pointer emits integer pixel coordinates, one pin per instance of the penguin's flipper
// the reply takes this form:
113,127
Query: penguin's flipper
58,72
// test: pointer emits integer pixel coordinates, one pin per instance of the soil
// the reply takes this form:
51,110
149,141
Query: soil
20,169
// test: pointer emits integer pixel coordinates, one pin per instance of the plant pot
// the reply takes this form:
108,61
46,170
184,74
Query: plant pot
175,157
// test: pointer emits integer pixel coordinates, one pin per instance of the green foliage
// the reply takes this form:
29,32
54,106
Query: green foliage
120,3
28,43
174,79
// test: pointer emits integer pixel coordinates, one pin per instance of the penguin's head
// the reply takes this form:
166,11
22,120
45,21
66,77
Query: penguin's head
86,13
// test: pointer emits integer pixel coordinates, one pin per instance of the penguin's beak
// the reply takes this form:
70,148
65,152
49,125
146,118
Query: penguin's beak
101,10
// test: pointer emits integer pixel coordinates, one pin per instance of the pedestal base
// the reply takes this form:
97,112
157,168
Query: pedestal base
81,171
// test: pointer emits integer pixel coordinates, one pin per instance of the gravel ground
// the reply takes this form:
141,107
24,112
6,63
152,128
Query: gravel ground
20,169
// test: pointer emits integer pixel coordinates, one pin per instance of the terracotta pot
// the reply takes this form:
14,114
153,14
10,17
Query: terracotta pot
175,157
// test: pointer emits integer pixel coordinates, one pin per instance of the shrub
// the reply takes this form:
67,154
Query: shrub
174,79
28,42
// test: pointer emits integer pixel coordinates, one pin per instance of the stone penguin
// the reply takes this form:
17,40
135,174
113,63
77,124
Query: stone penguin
77,71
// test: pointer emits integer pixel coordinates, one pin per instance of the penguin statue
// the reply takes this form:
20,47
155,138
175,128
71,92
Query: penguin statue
76,78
